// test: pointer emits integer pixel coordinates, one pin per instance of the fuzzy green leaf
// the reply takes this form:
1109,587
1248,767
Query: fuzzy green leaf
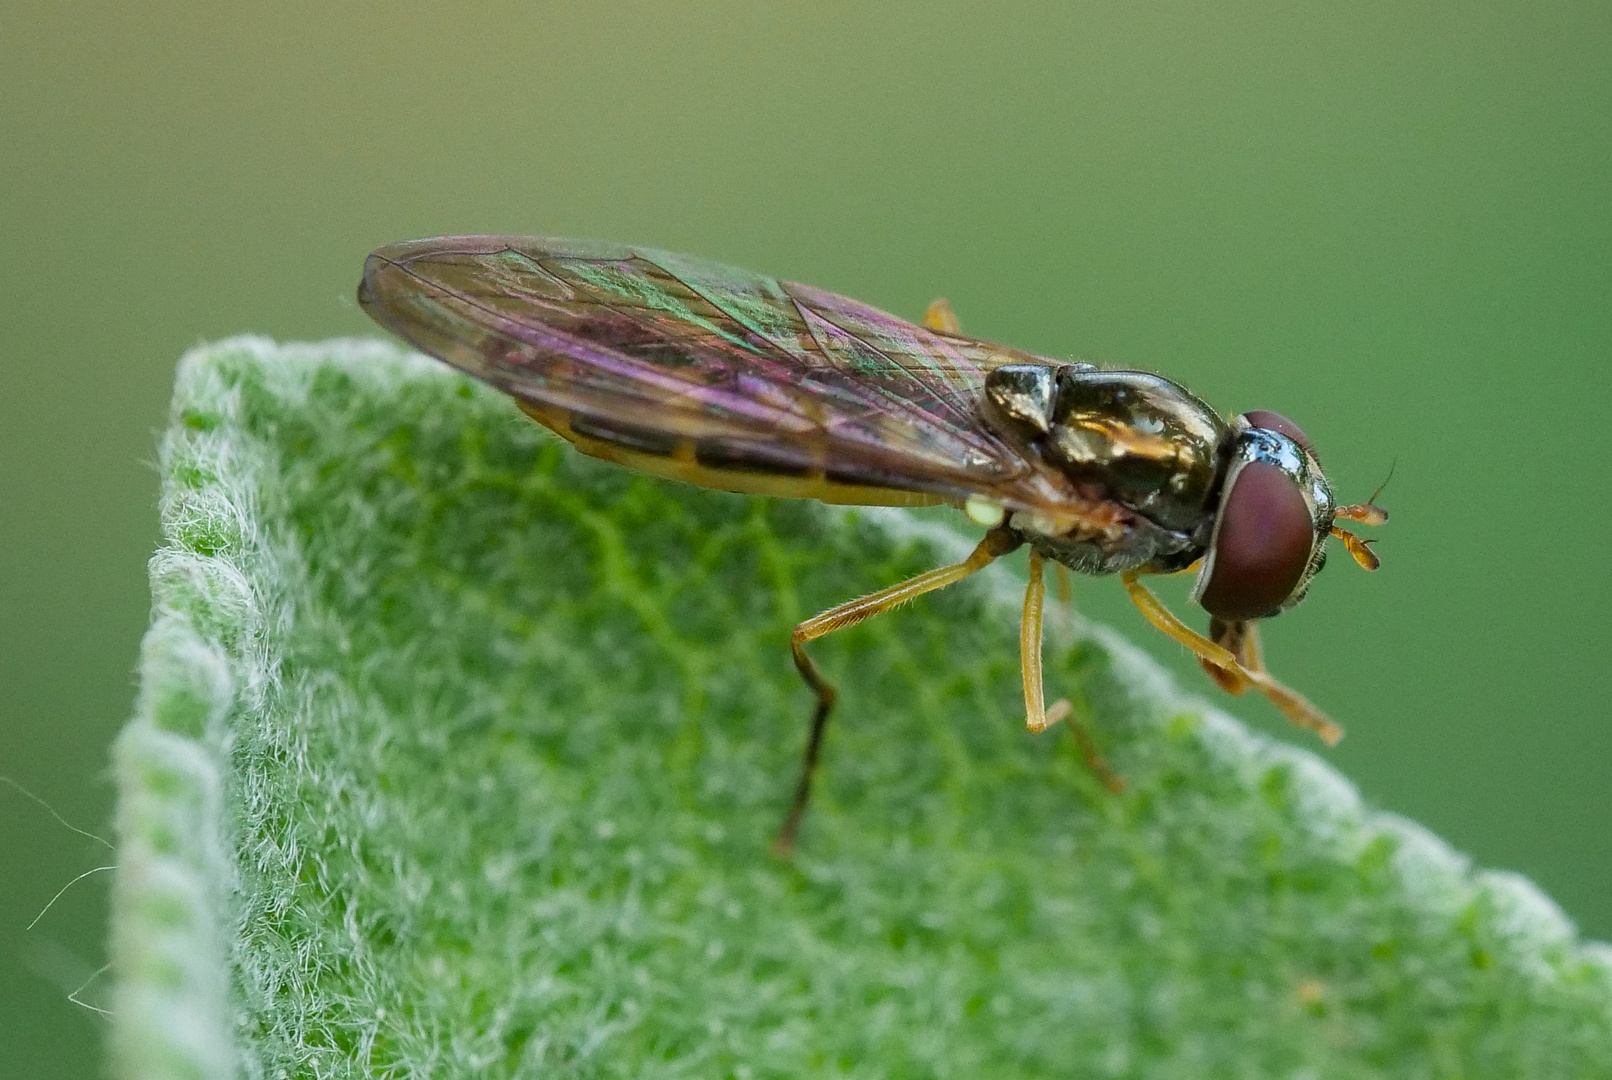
458,754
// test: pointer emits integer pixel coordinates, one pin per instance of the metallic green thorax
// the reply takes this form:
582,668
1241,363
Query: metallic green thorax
1150,445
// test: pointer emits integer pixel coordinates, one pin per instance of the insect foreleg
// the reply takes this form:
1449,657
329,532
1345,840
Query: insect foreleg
1241,639
1293,704
996,543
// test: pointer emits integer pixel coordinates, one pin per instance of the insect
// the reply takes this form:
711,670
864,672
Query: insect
700,372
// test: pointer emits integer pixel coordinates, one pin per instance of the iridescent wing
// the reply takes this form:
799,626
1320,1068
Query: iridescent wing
706,373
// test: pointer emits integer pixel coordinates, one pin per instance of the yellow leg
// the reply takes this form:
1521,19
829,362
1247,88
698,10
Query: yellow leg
1157,614
940,316
996,543
1038,717
1251,655
1094,758
1292,704
1066,593
1241,639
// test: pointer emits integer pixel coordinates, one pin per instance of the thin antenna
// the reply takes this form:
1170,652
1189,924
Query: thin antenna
1391,467
1368,512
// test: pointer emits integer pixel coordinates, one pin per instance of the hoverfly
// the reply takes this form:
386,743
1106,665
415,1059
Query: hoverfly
700,372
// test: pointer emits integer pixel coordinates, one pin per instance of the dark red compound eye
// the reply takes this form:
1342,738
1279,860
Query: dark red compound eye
1265,538
1271,421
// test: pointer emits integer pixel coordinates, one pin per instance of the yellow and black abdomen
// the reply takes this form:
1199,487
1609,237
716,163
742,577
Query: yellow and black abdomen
719,465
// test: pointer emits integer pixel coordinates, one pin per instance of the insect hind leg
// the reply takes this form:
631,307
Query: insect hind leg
996,543
826,696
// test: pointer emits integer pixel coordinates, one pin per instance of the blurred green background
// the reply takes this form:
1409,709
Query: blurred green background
1391,222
